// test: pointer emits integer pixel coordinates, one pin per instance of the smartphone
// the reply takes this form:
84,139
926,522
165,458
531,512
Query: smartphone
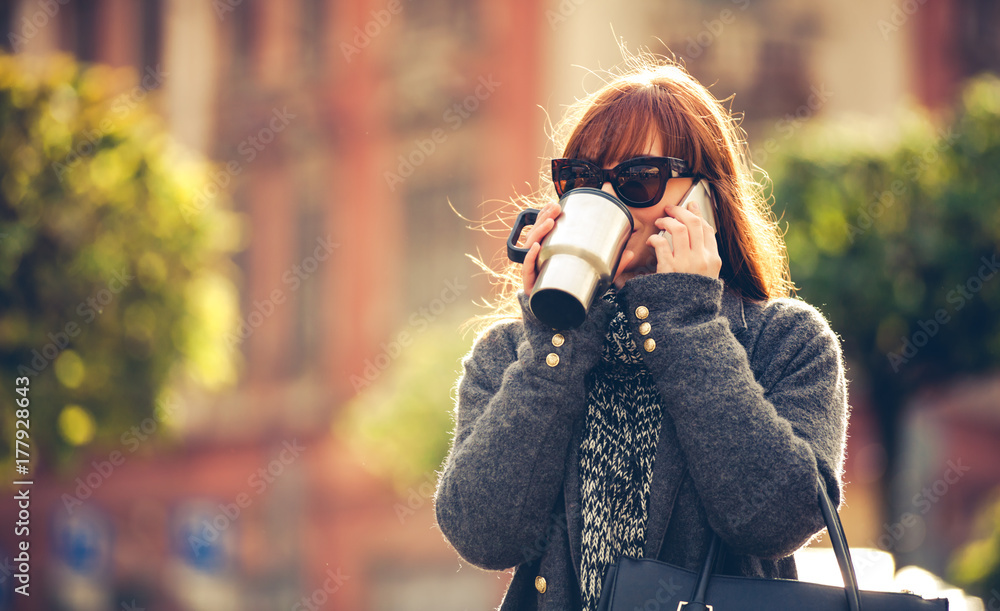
701,192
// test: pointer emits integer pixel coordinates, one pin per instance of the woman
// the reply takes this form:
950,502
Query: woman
696,397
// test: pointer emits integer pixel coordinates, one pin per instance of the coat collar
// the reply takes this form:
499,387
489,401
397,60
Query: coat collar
668,468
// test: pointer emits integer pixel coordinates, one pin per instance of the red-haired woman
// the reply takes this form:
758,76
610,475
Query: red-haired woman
697,396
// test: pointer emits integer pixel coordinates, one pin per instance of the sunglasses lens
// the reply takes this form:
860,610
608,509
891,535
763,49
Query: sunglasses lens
639,184
574,176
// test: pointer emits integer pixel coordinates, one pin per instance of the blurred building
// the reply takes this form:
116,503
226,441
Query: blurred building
347,128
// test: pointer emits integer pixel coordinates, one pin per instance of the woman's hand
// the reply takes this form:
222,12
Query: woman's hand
695,249
543,225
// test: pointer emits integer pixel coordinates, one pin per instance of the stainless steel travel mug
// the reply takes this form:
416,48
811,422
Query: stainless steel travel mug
578,258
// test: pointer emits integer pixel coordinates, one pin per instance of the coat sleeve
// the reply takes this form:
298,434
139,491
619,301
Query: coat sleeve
754,443
515,415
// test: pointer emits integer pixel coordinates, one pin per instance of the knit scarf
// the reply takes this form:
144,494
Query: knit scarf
616,457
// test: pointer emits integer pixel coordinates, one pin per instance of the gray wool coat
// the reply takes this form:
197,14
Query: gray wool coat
755,404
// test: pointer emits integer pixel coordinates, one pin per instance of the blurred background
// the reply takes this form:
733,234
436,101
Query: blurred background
233,239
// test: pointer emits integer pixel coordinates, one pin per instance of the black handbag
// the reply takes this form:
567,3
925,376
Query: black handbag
649,584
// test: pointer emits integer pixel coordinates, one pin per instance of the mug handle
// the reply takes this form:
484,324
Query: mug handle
516,253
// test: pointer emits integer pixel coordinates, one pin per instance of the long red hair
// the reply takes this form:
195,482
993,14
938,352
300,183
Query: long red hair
615,123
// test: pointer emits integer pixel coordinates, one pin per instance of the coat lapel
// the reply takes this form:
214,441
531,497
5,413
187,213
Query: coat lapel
668,467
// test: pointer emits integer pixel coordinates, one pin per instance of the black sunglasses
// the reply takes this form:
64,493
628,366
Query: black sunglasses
639,182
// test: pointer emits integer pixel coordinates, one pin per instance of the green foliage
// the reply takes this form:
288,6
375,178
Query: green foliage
894,232
113,279
400,423
976,567
888,233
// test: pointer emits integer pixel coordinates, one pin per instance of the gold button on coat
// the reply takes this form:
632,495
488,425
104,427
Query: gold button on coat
649,344
557,340
641,312
644,328
552,359
540,584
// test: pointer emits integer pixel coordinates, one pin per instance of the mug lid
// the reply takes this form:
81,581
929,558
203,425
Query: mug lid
605,195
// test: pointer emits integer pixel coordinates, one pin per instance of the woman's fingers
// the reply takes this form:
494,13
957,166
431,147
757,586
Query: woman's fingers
706,244
678,233
667,254
528,273
691,223
695,224
543,225
664,253
694,246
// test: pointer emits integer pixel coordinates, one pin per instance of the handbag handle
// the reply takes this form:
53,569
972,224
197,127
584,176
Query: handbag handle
837,539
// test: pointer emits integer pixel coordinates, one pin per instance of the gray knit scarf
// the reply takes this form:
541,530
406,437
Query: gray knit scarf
616,457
